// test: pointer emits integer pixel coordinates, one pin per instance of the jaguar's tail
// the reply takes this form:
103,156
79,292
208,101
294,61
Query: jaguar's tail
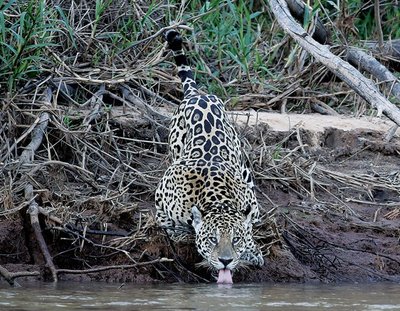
174,40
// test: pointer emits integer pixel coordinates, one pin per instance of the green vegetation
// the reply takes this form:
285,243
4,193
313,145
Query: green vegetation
237,50
27,31
365,22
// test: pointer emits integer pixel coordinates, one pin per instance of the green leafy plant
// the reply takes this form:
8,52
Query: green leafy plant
26,31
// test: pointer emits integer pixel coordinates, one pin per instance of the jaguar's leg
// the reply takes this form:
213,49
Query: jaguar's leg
177,233
253,254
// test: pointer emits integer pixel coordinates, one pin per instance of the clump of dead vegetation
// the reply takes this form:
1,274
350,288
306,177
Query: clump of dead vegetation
86,95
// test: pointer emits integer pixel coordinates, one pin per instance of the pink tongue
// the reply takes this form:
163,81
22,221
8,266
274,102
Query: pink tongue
224,276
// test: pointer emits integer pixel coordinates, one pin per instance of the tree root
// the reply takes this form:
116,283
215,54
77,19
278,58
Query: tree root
11,276
26,158
34,211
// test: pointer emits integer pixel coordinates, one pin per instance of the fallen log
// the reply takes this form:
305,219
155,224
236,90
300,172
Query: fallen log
368,63
360,84
390,48
387,49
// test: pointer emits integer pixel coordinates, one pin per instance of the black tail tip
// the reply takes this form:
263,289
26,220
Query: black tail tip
174,39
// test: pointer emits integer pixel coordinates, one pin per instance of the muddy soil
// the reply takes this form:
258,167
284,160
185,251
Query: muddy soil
332,201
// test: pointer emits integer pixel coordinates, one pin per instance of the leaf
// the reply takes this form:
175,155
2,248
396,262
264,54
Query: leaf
6,6
65,22
255,14
9,47
335,5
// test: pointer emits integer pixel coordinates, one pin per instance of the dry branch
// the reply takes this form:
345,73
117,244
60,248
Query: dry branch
390,48
11,276
98,269
369,63
25,158
378,23
322,108
34,211
37,134
141,105
361,85
96,103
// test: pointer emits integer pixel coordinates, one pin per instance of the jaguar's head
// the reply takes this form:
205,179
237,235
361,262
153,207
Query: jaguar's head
221,239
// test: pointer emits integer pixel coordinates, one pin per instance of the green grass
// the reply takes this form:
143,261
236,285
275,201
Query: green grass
234,39
230,40
26,31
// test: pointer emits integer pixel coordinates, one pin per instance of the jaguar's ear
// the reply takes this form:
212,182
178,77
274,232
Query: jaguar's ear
196,216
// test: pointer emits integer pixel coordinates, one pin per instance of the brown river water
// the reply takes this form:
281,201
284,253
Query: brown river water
106,296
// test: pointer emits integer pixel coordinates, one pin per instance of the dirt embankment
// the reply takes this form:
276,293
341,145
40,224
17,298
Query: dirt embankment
329,188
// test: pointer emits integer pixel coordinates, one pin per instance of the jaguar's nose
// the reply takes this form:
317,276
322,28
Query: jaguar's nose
225,261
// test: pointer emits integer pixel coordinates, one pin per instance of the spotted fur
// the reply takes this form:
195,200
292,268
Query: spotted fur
208,189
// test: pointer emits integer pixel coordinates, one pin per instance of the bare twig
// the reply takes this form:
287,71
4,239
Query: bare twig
378,22
322,108
139,264
33,211
25,158
96,103
390,49
142,105
37,134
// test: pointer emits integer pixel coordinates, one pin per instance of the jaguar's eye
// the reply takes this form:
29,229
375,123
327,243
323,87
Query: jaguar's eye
235,240
213,240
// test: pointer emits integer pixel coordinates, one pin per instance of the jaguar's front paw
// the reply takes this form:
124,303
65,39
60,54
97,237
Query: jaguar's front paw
253,259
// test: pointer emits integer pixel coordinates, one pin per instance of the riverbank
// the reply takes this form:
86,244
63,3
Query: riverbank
87,89
329,198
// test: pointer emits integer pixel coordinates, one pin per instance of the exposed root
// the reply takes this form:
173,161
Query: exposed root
99,269
11,276
26,158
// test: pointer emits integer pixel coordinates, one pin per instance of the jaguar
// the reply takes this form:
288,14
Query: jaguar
208,191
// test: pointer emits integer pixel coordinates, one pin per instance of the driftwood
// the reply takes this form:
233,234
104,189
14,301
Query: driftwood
26,158
361,85
390,48
11,276
356,56
367,62
386,49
